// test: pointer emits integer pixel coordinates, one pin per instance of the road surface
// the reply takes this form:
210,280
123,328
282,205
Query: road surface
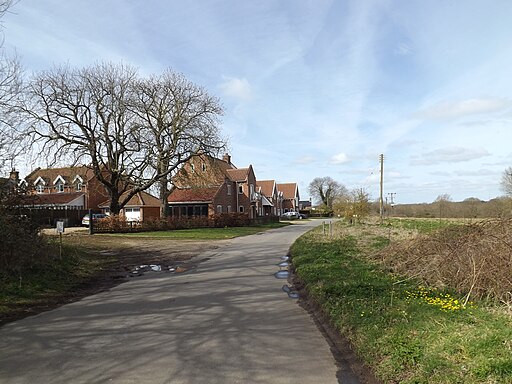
227,321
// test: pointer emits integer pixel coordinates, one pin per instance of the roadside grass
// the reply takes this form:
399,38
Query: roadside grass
48,277
203,233
406,332
421,225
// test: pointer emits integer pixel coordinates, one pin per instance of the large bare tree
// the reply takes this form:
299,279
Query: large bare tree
180,120
506,181
325,190
134,132
10,84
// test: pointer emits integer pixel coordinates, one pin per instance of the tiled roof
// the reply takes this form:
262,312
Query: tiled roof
267,187
188,195
68,174
140,199
56,198
289,190
239,174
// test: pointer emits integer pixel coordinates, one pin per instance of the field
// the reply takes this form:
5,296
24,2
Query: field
408,329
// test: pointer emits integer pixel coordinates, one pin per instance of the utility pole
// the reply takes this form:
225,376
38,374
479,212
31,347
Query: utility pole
381,199
391,200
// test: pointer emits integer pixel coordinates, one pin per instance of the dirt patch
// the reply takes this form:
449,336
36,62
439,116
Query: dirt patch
126,254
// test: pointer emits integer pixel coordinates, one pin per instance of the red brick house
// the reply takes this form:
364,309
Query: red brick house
207,185
140,207
69,188
272,199
290,192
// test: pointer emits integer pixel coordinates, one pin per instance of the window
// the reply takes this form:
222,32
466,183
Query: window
203,167
251,189
229,189
39,188
219,208
241,209
59,187
192,167
229,208
78,187
240,189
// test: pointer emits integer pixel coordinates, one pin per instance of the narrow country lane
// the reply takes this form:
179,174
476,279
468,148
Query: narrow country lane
227,321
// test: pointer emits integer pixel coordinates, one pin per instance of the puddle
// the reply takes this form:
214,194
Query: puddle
284,264
108,253
282,274
141,269
285,258
291,293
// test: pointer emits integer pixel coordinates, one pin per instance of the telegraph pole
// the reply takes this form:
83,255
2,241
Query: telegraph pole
381,199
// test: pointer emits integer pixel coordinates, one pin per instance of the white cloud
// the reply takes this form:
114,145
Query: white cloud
304,160
449,155
456,109
340,158
236,88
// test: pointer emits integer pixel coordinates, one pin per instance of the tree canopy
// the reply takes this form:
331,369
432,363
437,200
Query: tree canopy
325,190
132,131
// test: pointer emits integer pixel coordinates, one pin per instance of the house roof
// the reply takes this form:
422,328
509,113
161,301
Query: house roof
58,199
140,199
290,190
192,195
215,174
68,174
267,187
239,174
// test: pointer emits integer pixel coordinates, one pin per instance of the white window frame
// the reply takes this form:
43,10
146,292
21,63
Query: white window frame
240,189
40,188
229,189
241,209
219,208
59,187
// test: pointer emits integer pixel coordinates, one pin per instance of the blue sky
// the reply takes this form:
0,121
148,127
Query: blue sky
316,88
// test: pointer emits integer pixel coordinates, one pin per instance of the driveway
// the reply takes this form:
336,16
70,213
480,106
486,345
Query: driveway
226,321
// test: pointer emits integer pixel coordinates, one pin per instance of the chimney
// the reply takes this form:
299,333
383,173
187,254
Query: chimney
226,158
14,176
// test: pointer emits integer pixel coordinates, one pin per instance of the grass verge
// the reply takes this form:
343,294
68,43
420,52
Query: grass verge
204,233
407,333
48,278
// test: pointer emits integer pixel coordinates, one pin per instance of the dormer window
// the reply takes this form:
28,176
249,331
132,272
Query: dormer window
240,189
78,182
39,184
59,183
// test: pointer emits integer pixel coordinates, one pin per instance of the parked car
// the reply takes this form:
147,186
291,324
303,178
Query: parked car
293,215
95,218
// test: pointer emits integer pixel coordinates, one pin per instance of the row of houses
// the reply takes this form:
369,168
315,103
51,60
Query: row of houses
204,186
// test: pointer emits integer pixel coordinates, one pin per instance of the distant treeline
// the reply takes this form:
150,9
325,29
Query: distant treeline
471,208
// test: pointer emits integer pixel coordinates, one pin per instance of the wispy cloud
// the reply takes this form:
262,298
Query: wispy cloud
340,158
237,88
456,109
449,155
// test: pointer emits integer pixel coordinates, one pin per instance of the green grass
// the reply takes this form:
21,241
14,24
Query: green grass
420,225
48,277
398,327
204,233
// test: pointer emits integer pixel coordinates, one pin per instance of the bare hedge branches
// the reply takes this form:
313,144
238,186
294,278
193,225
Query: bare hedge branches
475,259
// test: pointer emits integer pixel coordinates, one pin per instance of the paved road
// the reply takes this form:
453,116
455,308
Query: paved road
228,321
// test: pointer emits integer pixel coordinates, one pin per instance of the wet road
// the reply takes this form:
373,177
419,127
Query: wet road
227,321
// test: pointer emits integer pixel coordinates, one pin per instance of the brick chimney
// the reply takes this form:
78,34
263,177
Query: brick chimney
226,158
14,176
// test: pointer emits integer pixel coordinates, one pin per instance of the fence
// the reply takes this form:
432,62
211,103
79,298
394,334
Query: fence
48,217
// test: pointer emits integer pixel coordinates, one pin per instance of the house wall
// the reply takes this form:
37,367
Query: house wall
150,213
223,199
96,194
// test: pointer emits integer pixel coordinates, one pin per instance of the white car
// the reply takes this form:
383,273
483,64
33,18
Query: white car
95,217
291,215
